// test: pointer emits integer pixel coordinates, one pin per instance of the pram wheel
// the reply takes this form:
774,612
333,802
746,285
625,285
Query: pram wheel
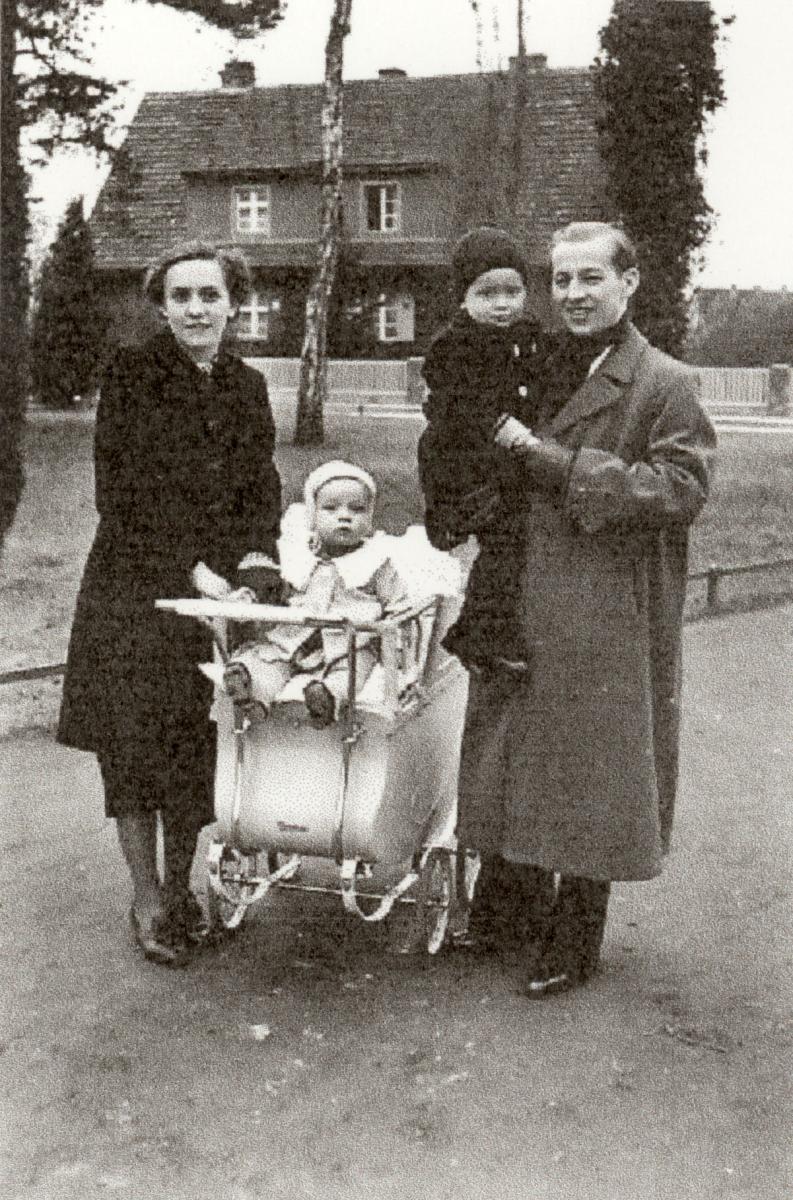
233,885
434,897
468,867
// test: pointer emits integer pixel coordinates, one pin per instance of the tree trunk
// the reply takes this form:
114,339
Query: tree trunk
313,386
13,279
516,171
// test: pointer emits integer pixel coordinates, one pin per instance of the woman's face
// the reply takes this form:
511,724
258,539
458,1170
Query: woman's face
197,305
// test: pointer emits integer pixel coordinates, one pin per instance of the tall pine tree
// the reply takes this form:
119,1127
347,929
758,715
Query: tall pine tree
67,334
657,81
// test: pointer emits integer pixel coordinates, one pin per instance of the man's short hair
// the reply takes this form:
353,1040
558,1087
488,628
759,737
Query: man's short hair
236,273
623,254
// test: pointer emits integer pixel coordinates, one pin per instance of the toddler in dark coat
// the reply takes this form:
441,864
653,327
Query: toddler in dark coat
481,366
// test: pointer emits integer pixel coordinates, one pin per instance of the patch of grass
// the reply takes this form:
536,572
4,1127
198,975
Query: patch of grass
749,517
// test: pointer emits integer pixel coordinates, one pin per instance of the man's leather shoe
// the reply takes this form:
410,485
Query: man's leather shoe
548,984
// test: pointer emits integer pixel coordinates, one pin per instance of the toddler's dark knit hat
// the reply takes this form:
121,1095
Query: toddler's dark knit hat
480,250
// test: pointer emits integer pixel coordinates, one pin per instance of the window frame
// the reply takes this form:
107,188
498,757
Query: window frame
256,206
383,185
261,306
392,303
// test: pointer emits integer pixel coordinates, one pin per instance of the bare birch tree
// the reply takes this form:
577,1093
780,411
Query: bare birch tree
313,386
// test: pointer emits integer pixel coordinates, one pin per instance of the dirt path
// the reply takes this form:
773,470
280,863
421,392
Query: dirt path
379,1075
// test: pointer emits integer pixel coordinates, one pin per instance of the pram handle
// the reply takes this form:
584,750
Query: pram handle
235,610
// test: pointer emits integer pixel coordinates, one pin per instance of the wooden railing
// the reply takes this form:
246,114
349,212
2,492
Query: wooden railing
714,574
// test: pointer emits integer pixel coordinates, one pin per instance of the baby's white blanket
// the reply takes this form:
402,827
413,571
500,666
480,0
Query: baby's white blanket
424,570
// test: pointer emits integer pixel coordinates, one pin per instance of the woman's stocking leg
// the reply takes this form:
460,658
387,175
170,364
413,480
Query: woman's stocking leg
180,838
137,835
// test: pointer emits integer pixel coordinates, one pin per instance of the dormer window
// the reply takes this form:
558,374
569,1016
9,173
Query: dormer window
382,207
251,210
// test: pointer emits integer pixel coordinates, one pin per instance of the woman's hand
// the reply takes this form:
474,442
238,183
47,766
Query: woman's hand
208,583
512,434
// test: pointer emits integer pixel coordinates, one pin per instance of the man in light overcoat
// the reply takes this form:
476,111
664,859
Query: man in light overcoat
569,768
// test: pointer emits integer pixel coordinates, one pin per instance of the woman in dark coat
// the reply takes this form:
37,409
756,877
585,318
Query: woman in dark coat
185,489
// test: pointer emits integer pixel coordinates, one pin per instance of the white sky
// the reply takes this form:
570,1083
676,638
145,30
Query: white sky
750,172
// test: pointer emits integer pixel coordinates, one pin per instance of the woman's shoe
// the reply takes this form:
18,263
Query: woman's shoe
183,920
156,941
194,922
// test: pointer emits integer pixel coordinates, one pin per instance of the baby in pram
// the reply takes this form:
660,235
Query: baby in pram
332,563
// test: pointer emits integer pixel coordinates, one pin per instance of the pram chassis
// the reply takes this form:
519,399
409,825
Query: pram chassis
245,863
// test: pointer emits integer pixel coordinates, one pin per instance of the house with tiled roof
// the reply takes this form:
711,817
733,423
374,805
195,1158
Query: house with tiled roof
424,158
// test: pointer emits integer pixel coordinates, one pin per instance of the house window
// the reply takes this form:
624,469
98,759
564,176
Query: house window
255,314
252,210
396,319
382,206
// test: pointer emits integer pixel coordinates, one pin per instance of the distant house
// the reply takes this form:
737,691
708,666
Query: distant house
740,327
424,158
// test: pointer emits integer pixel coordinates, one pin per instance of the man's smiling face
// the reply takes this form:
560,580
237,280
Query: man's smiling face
590,292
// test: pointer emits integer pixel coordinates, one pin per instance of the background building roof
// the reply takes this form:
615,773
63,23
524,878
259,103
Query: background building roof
389,123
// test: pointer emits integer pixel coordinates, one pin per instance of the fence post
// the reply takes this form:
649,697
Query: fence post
712,597
415,383
779,389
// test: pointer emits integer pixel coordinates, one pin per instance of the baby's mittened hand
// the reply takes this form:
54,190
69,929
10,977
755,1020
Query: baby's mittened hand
208,583
242,595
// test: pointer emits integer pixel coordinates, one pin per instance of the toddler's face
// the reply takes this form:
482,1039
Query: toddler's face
344,510
496,298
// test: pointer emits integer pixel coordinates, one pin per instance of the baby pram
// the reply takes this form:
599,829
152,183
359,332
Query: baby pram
377,787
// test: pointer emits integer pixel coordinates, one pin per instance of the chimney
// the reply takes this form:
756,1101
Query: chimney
392,73
238,74
530,62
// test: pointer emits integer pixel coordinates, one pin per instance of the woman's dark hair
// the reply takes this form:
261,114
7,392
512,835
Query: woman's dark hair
236,273
623,253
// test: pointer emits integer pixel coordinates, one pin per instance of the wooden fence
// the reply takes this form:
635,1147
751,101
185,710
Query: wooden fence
736,387
346,377
725,390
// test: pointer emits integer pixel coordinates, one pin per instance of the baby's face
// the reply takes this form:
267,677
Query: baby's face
496,297
344,510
